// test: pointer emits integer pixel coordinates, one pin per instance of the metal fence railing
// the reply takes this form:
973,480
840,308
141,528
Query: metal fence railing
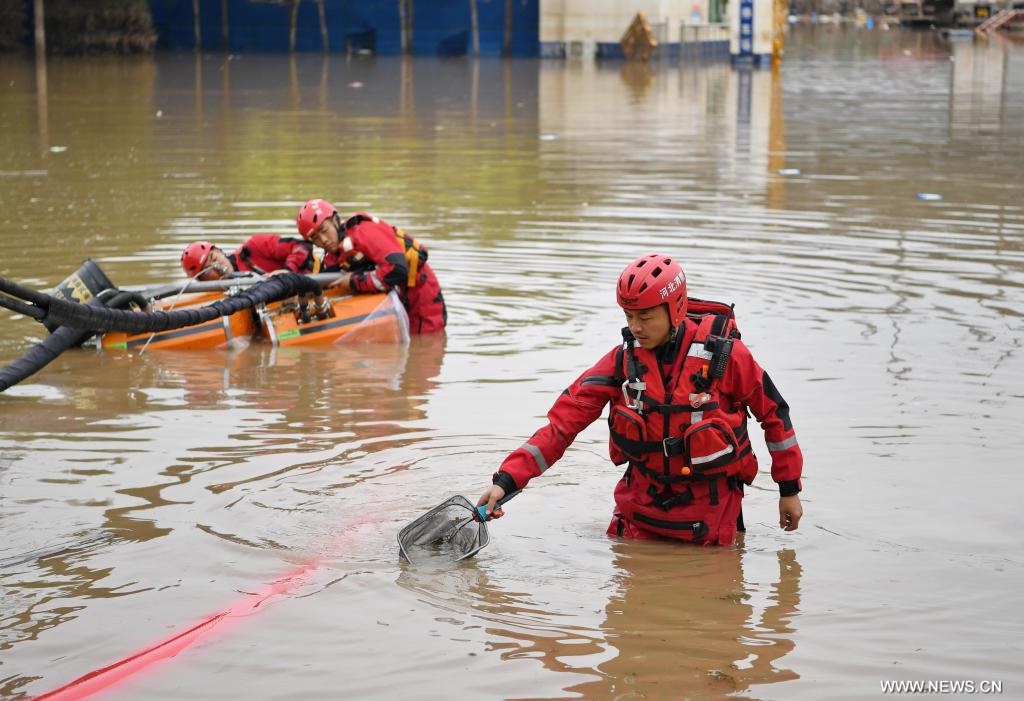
703,40
702,33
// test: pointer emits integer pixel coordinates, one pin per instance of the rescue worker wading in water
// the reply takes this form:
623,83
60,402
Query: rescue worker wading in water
679,389
260,254
376,257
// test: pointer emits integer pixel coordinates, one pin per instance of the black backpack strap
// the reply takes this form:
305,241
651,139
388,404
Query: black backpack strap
620,375
718,325
354,220
247,259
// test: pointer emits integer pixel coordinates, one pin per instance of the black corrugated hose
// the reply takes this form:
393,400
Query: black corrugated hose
79,321
40,355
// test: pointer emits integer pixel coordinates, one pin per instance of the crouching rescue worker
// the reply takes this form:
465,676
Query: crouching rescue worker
260,254
376,257
679,388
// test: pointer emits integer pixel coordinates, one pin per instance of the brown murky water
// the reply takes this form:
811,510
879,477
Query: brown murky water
141,495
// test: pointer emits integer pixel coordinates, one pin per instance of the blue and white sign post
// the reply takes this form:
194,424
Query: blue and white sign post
750,31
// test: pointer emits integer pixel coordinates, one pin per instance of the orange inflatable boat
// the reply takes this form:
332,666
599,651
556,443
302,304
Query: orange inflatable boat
333,318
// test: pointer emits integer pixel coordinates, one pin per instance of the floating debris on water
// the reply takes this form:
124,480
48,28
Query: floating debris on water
58,149
789,171
931,196
22,173
548,137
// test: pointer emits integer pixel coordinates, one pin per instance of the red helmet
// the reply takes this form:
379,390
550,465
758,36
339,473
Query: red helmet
194,257
312,215
652,280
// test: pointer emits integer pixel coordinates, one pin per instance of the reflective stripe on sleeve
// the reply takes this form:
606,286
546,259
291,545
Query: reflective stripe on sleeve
537,456
781,445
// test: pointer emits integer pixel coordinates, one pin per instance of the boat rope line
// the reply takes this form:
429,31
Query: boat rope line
180,333
349,321
174,303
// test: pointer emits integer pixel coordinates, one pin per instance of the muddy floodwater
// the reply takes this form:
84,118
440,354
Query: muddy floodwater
861,207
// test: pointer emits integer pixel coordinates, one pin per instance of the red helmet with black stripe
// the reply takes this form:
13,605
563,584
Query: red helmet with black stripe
652,280
312,215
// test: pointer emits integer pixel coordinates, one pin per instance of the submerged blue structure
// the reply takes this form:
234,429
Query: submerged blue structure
438,27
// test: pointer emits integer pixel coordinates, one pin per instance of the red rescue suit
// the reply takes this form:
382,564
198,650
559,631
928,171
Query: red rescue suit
681,430
382,257
264,253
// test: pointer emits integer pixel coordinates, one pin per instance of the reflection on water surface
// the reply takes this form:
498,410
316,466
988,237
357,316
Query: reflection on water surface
142,493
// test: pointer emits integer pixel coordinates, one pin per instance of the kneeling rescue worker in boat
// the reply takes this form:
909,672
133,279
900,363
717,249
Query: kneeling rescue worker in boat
260,254
679,388
376,257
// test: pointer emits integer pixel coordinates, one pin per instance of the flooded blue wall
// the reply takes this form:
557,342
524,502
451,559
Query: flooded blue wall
440,26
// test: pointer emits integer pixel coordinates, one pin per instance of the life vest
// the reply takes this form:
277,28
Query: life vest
264,248
688,450
415,252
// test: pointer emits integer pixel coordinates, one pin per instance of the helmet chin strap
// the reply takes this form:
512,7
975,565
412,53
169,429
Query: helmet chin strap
671,345
212,266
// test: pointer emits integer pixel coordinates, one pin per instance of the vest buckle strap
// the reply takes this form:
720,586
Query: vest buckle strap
672,446
667,499
699,529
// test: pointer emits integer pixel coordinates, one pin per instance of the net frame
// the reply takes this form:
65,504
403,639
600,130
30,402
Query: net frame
451,525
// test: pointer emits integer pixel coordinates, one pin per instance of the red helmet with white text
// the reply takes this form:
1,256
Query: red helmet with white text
652,280
194,257
312,215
